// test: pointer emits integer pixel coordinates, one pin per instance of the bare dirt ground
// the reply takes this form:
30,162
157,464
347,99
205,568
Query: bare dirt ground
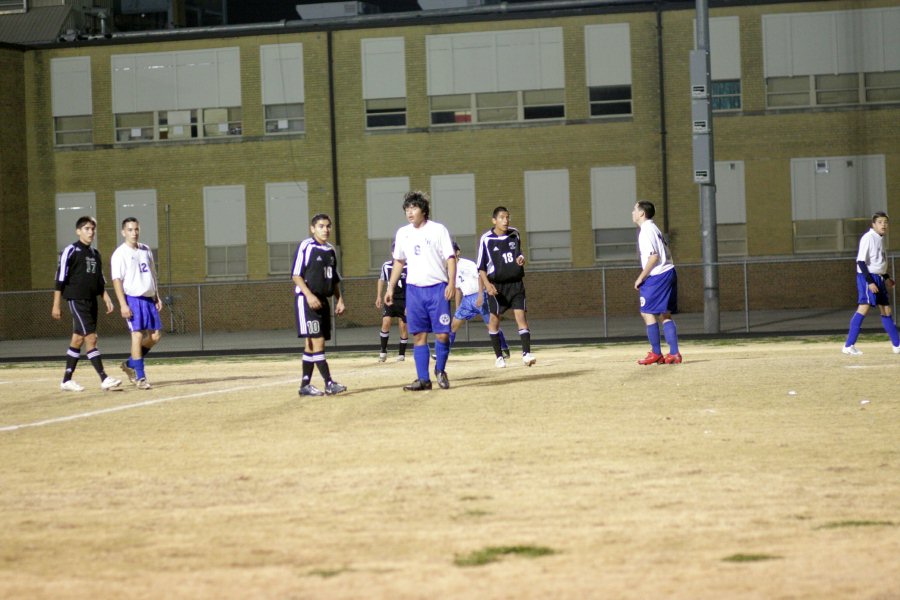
763,469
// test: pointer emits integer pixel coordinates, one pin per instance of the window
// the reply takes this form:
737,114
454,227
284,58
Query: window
14,6
833,198
287,222
547,218
725,62
177,95
283,93
384,210
496,77
837,58
731,211
70,82
608,62
70,208
453,205
225,223
384,82
726,95
613,196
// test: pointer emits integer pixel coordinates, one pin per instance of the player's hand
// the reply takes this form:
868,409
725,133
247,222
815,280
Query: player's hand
450,292
56,313
638,283
479,300
378,303
491,289
520,260
889,283
313,302
339,307
109,306
159,305
389,297
873,288
126,312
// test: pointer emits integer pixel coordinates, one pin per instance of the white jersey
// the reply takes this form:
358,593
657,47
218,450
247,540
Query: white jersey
134,266
425,250
871,252
650,242
466,277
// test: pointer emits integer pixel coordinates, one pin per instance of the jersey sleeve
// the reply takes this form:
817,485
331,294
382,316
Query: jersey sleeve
117,266
299,260
447,244
62,269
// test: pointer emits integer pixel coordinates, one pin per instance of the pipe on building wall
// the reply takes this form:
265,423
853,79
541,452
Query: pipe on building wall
334,154
663,132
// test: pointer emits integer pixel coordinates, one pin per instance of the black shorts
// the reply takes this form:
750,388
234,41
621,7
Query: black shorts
84,315
509,295
397,309
312,323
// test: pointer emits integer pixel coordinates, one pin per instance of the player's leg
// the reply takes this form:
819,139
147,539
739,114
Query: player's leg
440,325
864,299
670,332
494,333
486,315
73,354
384,335
404,336
419,324
887,320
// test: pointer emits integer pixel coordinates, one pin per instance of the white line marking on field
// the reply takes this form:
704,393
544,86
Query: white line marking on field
26,381
113,409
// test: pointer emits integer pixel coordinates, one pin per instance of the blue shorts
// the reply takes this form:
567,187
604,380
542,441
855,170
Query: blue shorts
427,311
865,295
659,293
467,309
144,316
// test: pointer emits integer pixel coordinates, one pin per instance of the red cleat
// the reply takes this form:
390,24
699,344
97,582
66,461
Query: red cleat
673,359
652,358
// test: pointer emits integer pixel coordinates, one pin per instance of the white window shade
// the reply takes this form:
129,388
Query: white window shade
282,73
547,201
287,212
384,68
613,196
384,205
730,204
453,202
140,204
69,208
502,61
225,215
724,47
837,187
833,42
176,80
608,54
70,82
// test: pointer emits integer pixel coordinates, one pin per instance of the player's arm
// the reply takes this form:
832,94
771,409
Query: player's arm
109,303
450,292
311,298
395,277
645,273
864,269
56,311
339,306
124,309
520,259
488,286
62,278
380,293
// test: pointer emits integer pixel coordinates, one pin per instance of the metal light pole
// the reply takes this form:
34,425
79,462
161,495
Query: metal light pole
704,167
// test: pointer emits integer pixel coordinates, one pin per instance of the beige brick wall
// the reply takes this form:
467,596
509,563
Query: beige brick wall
14,248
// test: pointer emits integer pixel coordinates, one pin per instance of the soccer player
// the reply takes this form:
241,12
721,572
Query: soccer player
425,248
396,310
471,302
872,283
79,279
501,266
316,278
657,285
134,277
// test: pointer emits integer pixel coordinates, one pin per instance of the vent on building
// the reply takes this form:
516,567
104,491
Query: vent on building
13,6
442,4
334,10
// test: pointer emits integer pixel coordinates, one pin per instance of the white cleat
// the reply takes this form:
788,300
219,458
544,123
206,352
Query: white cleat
400,358
71,386
528,359
142,384
500,363
896,349
851,351
382,356
110,383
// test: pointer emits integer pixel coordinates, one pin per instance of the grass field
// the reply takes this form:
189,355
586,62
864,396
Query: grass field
756,469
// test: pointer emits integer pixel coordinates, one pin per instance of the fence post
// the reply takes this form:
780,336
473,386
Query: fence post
746,299
200,312
603,295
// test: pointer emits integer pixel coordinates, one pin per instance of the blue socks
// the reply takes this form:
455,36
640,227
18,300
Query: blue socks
422,357
888,324
442,351
671,334
855,325
653,336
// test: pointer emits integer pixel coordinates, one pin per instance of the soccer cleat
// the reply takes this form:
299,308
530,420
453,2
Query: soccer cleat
400,358
505,352
142,384
673,359
71,386
443,381
851,350
333,387
417,386
110,383
896,349
382,356
310,390
500,363
528,359
652,358
132,374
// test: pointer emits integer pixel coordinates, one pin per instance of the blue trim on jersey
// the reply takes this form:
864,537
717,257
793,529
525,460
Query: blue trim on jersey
659,293
427,311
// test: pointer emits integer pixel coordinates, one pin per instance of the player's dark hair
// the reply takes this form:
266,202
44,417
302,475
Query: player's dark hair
417,198
499,210
647,207
127,220
319,217
82,221
879,215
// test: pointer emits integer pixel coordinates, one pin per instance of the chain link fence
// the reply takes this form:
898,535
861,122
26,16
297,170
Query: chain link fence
758,296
